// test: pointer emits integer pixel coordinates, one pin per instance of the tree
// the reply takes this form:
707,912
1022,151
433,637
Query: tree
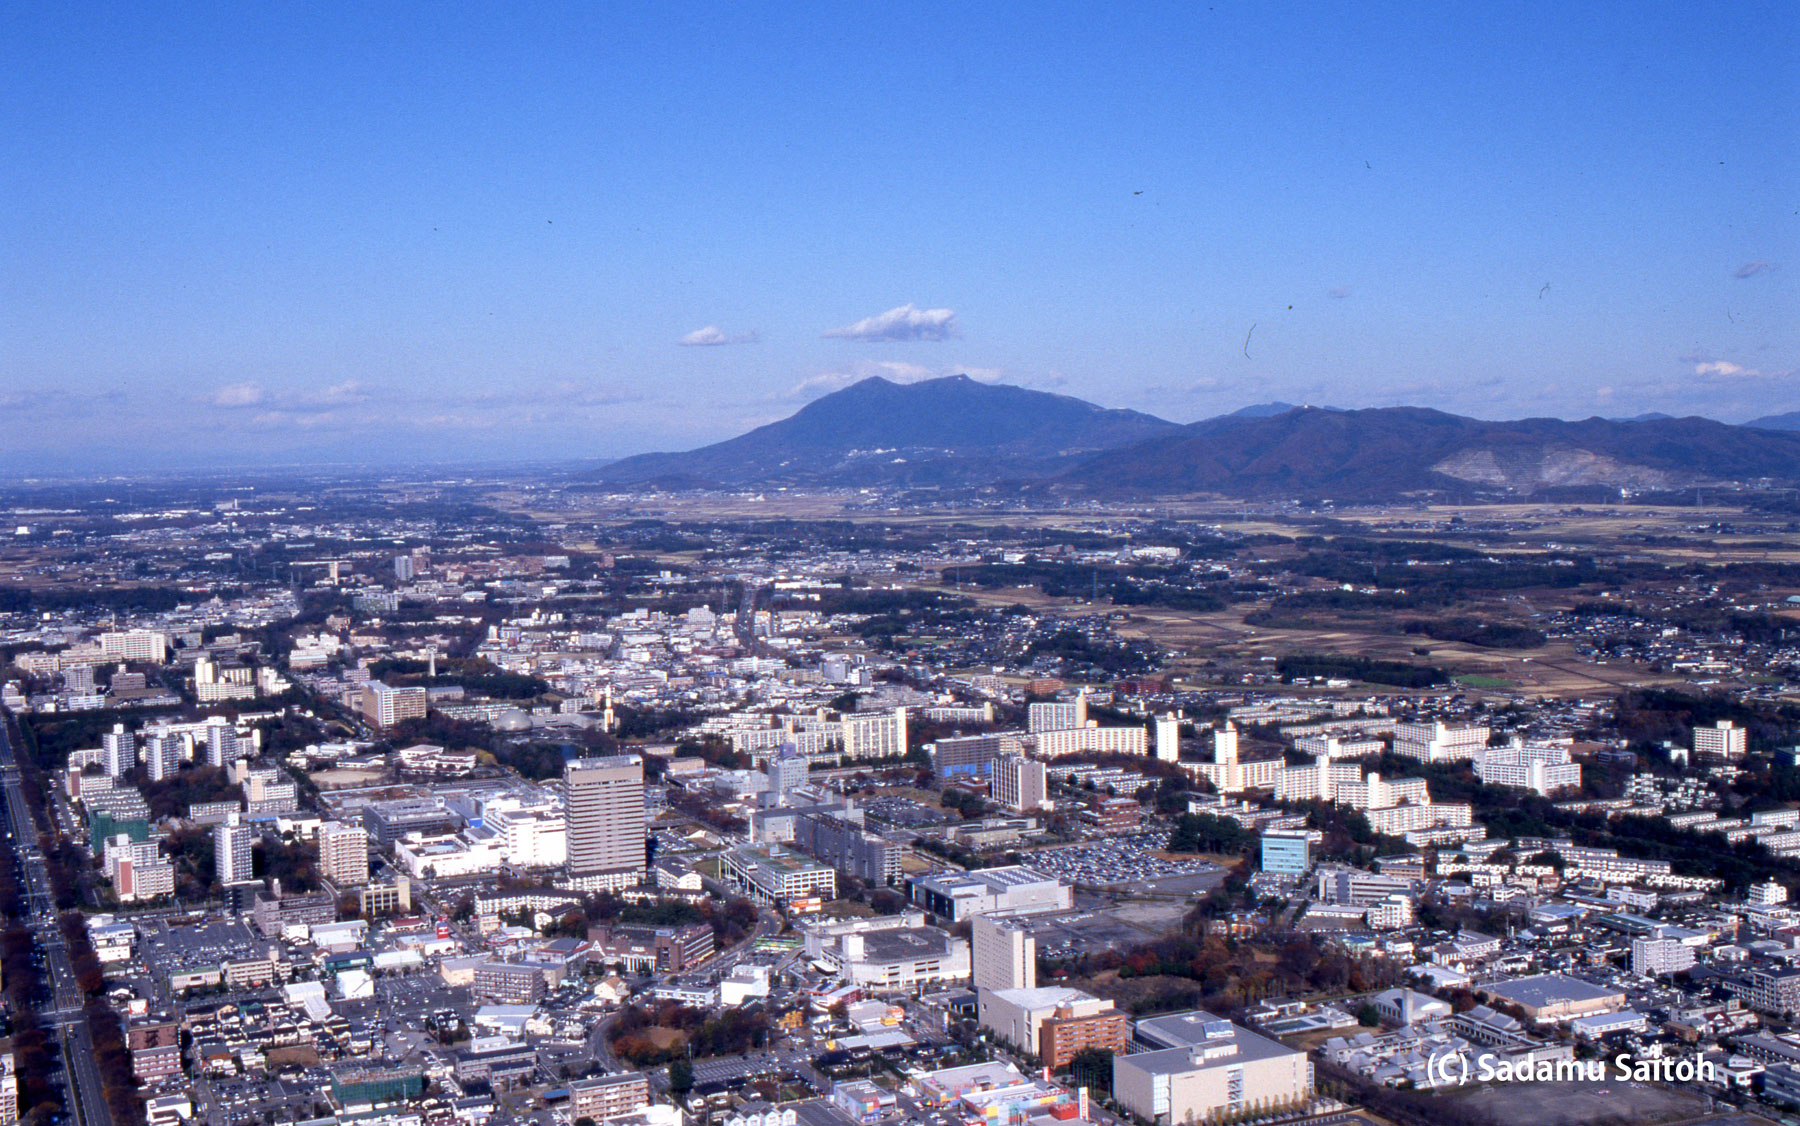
1093,1068
681,1076
1367,1016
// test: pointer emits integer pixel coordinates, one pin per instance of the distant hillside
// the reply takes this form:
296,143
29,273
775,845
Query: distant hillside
941,431
1397,450
1788,421
1261,410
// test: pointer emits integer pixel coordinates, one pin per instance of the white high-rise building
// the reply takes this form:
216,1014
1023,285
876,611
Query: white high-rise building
162,756
605,821
870,735
135,645
1168,738
1003,954
231,850
1439,742
344,854
118,750
1536,767
1057,715
221,742
1020,783
1723,739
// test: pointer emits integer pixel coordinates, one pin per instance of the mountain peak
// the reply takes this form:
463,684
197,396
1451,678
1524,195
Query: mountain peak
949,429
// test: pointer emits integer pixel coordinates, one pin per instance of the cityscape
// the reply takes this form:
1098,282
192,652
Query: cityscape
821,566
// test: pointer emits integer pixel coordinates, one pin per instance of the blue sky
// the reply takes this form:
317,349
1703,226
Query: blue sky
397,233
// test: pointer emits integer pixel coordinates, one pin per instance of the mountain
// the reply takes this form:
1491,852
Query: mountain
1788,421
945,431
1261,410
1391,451
1648,416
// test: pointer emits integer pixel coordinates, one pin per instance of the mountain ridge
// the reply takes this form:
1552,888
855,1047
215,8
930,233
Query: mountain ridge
956,432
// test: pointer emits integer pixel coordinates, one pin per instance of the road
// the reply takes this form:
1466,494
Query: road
87,1101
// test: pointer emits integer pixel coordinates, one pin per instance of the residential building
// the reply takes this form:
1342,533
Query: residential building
231,850
1723,740
875,734
607,1097
1655,956
384,707
1019,783
1439,741
344,854
118,749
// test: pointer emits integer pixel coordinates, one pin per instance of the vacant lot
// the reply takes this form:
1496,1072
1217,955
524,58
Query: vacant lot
1582,1104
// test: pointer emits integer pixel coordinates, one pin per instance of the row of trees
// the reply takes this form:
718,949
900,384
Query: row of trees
112,1058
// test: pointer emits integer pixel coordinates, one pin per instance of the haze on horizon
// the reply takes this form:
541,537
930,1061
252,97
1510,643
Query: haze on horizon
250,236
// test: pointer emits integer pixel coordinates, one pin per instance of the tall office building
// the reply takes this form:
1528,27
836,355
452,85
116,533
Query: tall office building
344,854
119,750
403,568
1019,783
231,850
1003,954
606,820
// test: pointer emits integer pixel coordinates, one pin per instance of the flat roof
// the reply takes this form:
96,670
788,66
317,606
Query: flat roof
1550,989
1187,1035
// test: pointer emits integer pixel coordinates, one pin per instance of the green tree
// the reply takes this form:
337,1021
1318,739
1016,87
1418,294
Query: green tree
681,1076
1093,1068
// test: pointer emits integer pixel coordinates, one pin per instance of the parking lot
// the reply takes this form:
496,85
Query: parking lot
1129,859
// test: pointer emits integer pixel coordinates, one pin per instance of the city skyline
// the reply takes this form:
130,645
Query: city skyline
356,236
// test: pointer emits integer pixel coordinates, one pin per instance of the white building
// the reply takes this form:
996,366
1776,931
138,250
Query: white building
1202,1067
1724,739
231,850
888,953
875,734
1020,783
1542,769
1439,742
1657,955
1003,954
344,854
1053,715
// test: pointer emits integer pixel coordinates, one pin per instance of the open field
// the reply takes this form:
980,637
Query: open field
1576,1104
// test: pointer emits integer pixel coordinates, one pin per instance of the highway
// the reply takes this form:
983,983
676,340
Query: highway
87,1101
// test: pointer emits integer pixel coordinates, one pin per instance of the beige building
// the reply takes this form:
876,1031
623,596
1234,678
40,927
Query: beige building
1201,1068
605,822
1020,783
344,854
1004,955
384,707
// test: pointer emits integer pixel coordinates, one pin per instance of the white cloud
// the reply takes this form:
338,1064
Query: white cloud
825,382
1751,269
337,395
713,336
237,395
908,322
1726,369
